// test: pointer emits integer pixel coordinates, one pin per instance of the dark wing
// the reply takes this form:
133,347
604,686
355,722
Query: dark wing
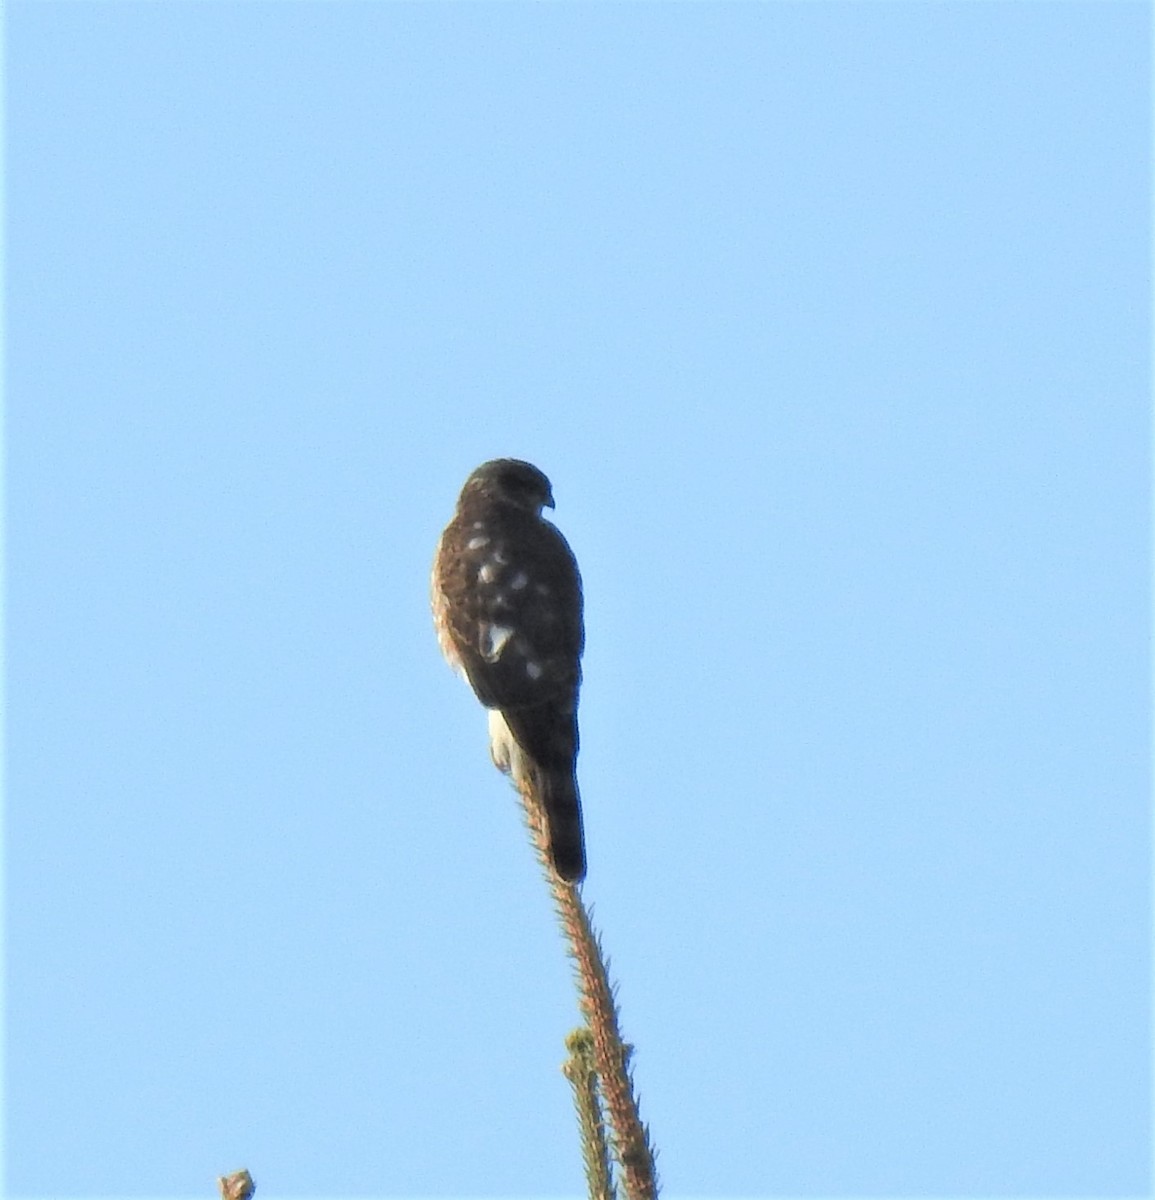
512,605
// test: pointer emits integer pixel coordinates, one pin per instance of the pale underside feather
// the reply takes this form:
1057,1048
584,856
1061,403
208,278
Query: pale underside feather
503,748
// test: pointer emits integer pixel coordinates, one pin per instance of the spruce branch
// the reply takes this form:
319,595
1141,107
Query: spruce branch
631,1138
579,1069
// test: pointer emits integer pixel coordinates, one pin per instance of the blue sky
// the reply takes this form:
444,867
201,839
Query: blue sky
830,324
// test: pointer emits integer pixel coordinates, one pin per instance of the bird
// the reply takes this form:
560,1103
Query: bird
507,606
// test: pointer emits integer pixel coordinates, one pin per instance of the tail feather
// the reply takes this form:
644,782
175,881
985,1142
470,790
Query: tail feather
559,797
538,746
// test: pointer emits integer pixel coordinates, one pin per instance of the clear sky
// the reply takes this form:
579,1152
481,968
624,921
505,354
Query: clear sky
830,324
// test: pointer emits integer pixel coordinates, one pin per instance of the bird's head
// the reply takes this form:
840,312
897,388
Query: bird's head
511,481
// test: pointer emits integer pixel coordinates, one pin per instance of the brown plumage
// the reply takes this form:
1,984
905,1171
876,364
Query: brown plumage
507,604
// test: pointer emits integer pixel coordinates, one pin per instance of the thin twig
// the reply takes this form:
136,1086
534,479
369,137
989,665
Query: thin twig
579,1069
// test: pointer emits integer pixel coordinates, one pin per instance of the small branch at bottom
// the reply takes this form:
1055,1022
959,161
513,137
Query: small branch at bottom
238,1186
579,1069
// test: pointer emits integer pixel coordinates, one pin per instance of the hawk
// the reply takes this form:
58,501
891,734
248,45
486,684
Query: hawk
507,603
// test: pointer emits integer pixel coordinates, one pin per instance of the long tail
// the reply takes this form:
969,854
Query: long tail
541,749
563,813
